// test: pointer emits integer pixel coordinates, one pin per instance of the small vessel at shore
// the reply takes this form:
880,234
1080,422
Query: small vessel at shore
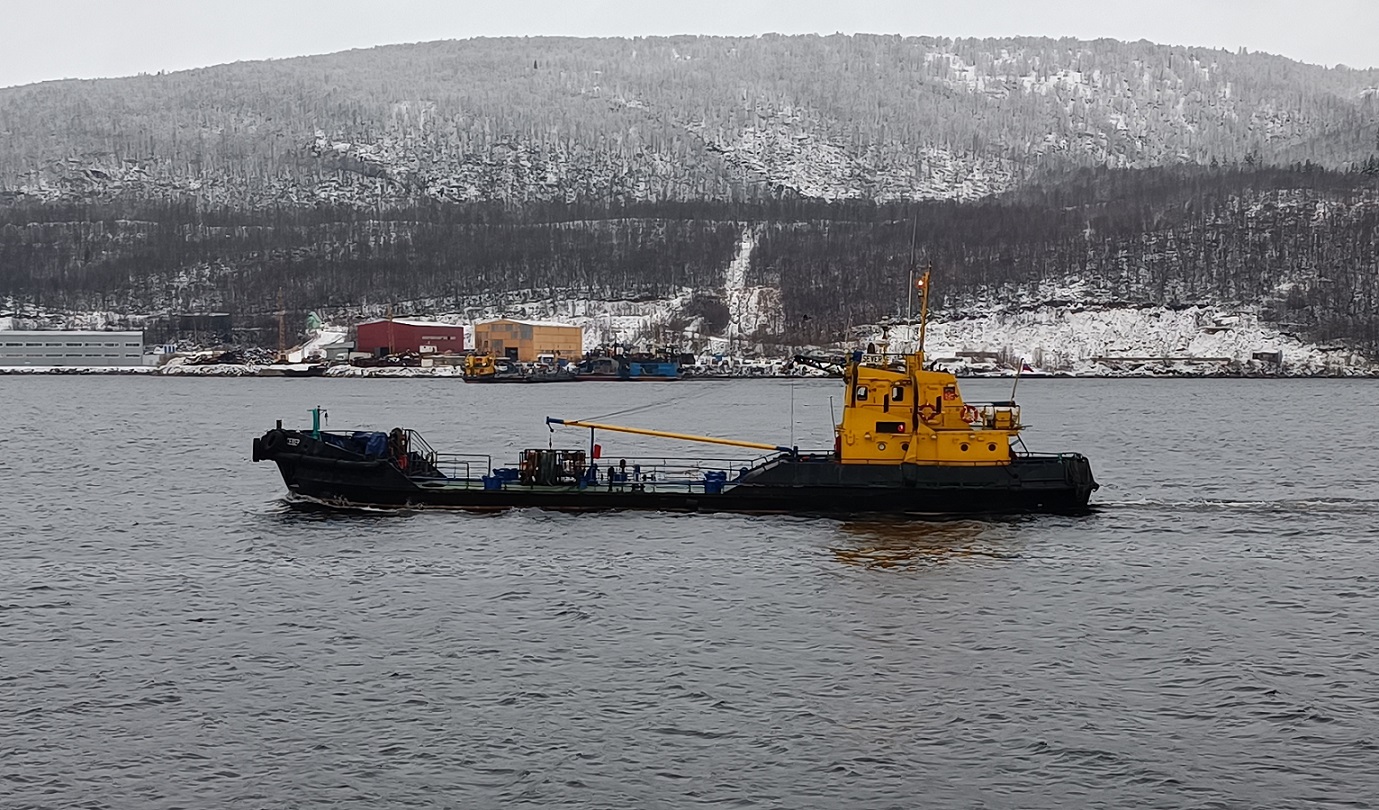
907,444
614,364
485,369
293,370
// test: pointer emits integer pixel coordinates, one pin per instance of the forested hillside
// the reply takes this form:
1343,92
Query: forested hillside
689,118
1022,169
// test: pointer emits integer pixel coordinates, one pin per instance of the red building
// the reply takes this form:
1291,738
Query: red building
398,335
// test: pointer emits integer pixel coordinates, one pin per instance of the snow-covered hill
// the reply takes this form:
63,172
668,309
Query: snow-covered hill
737,192
684,118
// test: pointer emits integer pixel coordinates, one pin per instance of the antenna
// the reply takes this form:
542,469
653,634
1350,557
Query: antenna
282,328
910,290
923,310
1013,385
792,411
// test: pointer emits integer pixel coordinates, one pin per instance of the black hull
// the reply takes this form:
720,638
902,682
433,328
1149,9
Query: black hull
616,378
519,380
1031,484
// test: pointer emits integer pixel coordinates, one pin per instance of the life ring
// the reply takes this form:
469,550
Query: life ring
927,412
970,414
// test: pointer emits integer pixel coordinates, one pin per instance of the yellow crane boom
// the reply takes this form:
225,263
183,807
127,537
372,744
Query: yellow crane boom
666,434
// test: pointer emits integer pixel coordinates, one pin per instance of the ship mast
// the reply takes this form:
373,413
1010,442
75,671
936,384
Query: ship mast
282,328
923,284
910,289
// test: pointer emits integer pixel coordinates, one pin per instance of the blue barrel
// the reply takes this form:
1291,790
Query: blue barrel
492,482
713,482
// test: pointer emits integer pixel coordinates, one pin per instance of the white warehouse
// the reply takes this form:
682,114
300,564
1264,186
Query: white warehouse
61,348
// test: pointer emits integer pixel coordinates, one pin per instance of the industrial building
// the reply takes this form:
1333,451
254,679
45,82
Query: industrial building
205,326
524,341
63,348
397,335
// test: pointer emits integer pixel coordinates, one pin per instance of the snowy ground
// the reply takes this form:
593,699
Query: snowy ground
1107,341
750,309
1077,340
127,370
317,344
179,369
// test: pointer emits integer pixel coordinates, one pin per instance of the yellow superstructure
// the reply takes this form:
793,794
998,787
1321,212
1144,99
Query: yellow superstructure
897,412
525,341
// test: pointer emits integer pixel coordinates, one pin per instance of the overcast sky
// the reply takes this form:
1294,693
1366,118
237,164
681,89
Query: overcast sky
54,39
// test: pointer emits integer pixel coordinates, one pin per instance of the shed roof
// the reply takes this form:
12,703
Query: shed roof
527,323
72,333
410,322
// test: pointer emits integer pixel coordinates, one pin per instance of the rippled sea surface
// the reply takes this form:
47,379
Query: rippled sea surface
172,636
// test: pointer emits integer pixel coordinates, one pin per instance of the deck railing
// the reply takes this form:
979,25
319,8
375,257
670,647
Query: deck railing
416,444
670,469
469,466
686,474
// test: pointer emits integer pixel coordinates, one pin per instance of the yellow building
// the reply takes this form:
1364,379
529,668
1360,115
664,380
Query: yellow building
524,341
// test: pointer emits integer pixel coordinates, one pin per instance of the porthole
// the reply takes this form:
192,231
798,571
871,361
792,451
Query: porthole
963,447
880,445
991,447
904,445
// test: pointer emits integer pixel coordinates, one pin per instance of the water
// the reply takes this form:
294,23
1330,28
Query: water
171,636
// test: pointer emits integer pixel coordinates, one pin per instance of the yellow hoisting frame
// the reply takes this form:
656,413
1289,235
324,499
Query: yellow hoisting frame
666,434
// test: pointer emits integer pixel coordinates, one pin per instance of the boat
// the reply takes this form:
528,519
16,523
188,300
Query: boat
616,365
484,369
907,444
292,370
305,370
828,366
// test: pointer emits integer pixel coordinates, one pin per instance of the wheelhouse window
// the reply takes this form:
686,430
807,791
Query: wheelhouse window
860,394
898,393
